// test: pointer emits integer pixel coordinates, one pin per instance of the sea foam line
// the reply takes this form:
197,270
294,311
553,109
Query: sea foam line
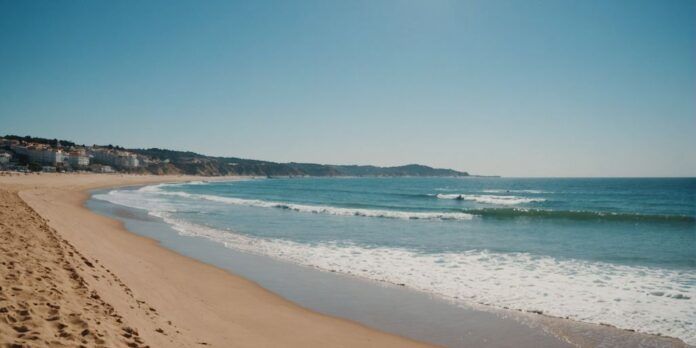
489,199
648,300
303,208
156,190
645,299
515,191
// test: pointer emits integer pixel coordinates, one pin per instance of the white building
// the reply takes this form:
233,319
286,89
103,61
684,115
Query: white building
43,155
120,159
77,159
51,156
127,161
5,158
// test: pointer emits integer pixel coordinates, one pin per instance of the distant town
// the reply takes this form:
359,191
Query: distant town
32,154
27,154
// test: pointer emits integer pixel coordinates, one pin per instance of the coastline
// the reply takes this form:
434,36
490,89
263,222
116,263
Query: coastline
170,299
189,297
384,306
387,306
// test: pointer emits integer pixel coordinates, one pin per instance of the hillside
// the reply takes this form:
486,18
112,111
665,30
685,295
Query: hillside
162,161
186,162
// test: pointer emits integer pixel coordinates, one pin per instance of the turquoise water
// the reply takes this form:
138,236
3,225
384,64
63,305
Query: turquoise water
617,251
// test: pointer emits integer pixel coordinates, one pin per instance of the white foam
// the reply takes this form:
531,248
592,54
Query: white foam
644,299
156,190
490,199
640,298
331,210
515,191
186,183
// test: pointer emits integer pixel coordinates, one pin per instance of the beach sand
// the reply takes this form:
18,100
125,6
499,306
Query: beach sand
70,277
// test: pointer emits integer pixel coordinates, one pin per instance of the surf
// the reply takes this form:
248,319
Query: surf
512,213
603,250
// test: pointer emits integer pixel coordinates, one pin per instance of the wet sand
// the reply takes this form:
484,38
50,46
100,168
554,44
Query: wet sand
384,306
72,277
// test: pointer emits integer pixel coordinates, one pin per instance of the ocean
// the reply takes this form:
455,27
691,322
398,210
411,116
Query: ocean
612,251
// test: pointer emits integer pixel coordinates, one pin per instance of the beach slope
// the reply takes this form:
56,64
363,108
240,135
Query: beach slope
72,277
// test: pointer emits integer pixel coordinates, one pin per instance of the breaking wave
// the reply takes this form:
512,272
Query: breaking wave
516,191
510,213
638,298
650,300
490,199
302,208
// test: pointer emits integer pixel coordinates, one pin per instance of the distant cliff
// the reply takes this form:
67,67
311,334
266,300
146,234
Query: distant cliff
185,162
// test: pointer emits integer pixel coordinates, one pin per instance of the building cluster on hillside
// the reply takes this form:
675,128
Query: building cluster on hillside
5,158
19,155
116,158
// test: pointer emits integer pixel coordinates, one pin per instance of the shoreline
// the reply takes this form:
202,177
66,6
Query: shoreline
388,307
72,194
171,299
563,329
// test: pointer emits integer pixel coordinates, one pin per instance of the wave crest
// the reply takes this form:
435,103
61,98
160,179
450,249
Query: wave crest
515,191
641,298
302,208
318,209
489,199
510,213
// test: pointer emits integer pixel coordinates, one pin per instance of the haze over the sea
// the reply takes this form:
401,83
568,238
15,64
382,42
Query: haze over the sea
548,88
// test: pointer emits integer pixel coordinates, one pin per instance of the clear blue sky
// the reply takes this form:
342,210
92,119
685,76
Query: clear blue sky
517,88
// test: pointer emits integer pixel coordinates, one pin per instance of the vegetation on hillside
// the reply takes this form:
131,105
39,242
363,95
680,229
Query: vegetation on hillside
193,163
163,161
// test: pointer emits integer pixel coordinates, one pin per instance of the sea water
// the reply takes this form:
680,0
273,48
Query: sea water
613,251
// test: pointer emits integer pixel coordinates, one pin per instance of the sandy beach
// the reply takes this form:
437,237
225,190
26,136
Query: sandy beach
71,277
457,174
